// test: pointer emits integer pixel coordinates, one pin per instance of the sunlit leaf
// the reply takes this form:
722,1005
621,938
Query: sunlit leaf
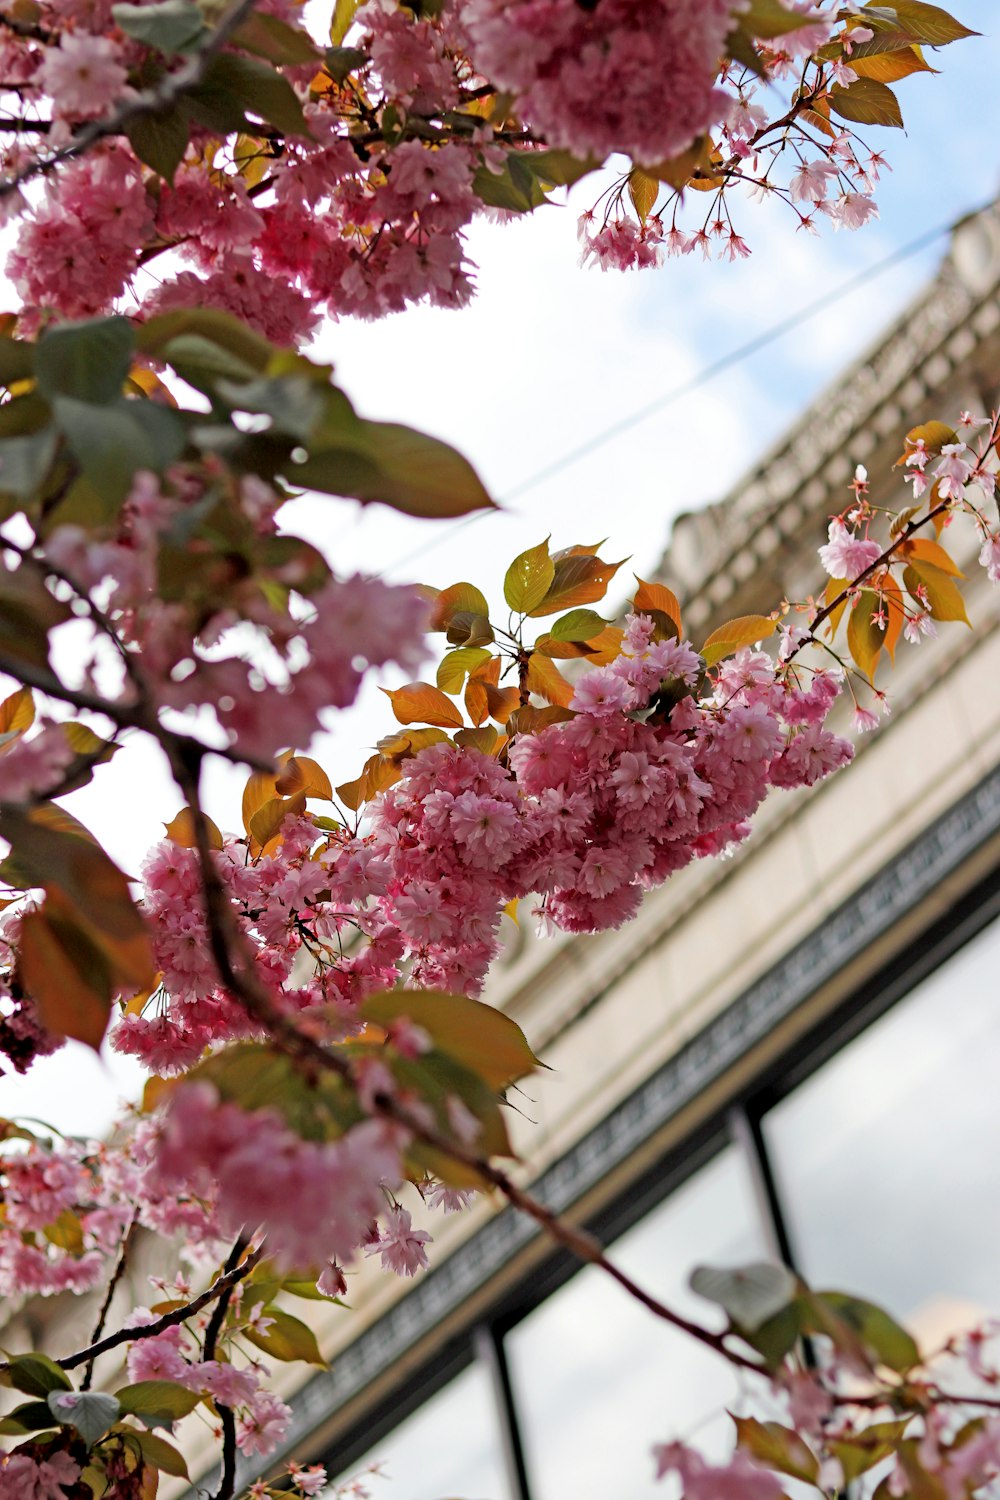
578,578
944,600
17,712
479,1036
643,189
528,579
420,703
746,630
456,666
181,830
545,679
866,102
866,632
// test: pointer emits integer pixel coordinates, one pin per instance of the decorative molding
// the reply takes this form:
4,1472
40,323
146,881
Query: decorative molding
860,922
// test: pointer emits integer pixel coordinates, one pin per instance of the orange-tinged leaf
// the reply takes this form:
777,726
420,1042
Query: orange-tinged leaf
606,646
420,703
865,636
460,597
644,190
180,830
746,630
478,1036
835,587
260,788
267,820
934,435
529,578
889,67
17,712
529,720
501,702
155,1091
299,775
545,679
895,613
487,740
653,598
66,976
88,888
920,549
578,578
406,742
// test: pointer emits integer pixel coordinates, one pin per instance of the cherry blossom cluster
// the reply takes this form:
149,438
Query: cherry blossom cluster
233,636
354,198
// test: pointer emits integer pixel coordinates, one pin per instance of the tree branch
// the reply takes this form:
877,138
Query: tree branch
219,1287
147,102
116,1277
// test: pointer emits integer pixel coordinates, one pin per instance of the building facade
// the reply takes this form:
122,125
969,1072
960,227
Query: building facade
790,1054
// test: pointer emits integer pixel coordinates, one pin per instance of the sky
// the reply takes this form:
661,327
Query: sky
550,356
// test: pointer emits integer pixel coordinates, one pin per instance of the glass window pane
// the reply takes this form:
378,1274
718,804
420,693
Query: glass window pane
451,1446
886,1158
598,1379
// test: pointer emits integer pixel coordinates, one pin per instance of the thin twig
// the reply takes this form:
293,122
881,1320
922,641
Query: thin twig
116,1277
169,1320
228,1482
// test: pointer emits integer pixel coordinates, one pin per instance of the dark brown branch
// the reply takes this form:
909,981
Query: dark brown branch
228,1481
219,1287
239,977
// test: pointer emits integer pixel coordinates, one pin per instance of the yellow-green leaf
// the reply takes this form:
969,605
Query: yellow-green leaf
746,630
528,579
578,578
865,636
866,102
943,596
478,1036
456,666
288,1338
644,190
17,712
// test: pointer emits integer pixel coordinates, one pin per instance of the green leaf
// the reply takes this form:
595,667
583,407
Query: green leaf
210,323
578,625
112,442
160,1454
414,473
170,25
342,61
157,1401
883,1338
231,85
751,1295
17,361
929,23
515,188
160,140
778,1447
769,18
27,613
92,1413
867,102
25,461
529,578
35,1374
287,1338
30,1416
481,1038
87,361
270,37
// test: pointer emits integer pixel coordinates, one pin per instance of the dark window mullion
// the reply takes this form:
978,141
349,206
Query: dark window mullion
490,1352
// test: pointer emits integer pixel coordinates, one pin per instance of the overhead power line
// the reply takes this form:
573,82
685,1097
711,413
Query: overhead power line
708,373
